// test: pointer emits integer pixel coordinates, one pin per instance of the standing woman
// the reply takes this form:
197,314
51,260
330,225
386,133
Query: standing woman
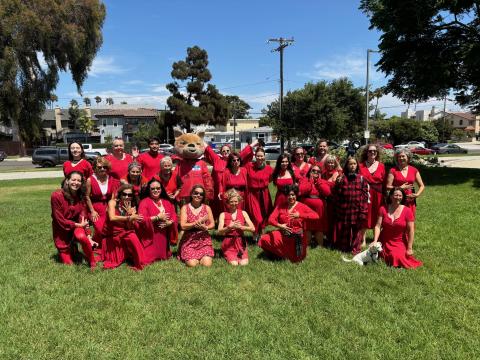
76,161
134,178
351,205
122,243
69,220
395,230
283,175
101,187
231,224
195,220
373,171
330,172
160,220
315,191
119,160
299,165
406,176
234,177
258,203
289,241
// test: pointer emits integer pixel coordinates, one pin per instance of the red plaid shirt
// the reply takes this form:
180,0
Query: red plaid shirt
351,200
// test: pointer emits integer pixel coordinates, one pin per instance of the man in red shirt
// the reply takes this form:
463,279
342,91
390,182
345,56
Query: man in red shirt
150,160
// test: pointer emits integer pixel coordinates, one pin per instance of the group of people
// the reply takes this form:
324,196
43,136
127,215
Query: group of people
132,201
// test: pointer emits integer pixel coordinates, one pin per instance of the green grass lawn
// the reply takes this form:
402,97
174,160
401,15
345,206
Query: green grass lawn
321,308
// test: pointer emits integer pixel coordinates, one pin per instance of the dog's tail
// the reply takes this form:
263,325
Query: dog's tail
346,260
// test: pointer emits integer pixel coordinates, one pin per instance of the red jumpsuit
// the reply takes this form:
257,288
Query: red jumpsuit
150,164
376,181
234,181
119,167
258,202
234,246
294,246
399,180
83,167
64,216
194,172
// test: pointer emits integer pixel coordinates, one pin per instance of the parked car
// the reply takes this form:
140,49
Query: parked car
272,145
167,147
272,154
89,147
420,150
411,144
47,156
3,155
92,155
449,149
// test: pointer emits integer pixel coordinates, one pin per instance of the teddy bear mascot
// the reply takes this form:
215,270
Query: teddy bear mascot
191,167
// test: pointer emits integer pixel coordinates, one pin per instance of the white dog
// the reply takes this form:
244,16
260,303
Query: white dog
368,256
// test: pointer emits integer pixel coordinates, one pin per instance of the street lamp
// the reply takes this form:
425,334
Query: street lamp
367,85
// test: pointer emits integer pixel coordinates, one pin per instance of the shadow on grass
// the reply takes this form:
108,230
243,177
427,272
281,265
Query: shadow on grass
439,176
269,257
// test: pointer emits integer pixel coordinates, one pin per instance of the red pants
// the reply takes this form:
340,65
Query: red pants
63,242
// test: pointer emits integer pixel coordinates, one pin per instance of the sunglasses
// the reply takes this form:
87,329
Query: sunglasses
236,160
198,193
225,151
299,154
127,194
372,151
155,189
102,167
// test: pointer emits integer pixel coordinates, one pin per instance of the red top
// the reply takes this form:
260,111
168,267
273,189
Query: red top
173,183
119,167
313,161
229,180
258,178
318,188
83,167
375,179
399,179
193,172
301,172
281,215
395,231
96,193
150,164
65,214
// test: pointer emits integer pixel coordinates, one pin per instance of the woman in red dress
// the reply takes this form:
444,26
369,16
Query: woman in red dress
169,179
101,187
321,153
159,222
314,192
406,176
258,202
300,167
350,203
122,243
69,220
234,177
395,230
330,172
76,161
195,220
282,176
231,225
373,171
119,160
134,178
290,241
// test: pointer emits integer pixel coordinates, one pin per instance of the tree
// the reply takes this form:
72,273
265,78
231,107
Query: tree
86,124
148,130
123,102
428,48
331,110
237,108
65,33
87,101
53,98
401,130
377,94
109,101
73,113
196,104
98,100
444,129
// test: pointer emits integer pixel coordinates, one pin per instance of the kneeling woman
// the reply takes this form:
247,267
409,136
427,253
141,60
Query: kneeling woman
395,230
195,220
231,224
121,242
289,242
69,220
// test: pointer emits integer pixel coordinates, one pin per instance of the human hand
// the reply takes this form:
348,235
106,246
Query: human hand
83,222
95,216
286,229
294,215
171,195
412,196
409,252
135,152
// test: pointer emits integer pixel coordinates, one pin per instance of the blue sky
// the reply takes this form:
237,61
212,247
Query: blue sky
142,39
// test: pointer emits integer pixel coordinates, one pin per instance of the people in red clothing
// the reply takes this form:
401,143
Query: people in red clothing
282,176
150,160
321,153
373,171
119,160
330,172
159,222
406,177
101,187
231,225
315,191
170,179
122,243
69,220
258,202
299,165
351,205
134,178
289,241
195,220
395,230
76,161
234,177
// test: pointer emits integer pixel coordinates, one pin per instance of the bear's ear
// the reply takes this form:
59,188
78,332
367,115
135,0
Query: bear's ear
201,134
177,132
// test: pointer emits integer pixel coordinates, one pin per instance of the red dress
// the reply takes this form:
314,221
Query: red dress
399,180
64,216
234,247
155,240
172,183
100,204
314,194
83,167
375,181
258,202
150,164
294,246
281,197
121,244
119,167
195,243
394,240
234,181
313,161
301,172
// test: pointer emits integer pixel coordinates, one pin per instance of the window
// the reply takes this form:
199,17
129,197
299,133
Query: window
261,136
47,152
104,122
460,122
115,123
451,122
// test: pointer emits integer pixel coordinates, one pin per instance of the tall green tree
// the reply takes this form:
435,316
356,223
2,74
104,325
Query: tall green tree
87,101
98,99
237,107
85,123
66,33
193,101
73,113
428,48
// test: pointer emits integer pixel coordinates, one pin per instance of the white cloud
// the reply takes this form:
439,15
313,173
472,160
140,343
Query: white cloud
105,65
160,88
134,82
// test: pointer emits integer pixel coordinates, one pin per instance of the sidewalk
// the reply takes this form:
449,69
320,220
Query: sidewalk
20,175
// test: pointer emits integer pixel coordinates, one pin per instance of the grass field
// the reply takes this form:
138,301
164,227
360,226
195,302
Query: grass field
321,308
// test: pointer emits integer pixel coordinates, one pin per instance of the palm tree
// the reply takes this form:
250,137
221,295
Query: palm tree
87,101
109,101
377,94
98,100
73,103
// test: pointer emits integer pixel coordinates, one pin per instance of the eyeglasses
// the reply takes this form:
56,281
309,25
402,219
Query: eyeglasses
299,154
225,151
102,167
127,194
372,151
198,193
155,189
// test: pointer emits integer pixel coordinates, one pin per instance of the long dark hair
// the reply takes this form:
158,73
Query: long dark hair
66,189
345,166
198,186
120,191
70,156
146,189
390,194
278,168
231,157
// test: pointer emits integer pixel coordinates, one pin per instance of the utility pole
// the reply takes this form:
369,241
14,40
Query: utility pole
367,85
444,117
283,43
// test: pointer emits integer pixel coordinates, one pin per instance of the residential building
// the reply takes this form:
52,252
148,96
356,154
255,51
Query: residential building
242,124
464,120
423,114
